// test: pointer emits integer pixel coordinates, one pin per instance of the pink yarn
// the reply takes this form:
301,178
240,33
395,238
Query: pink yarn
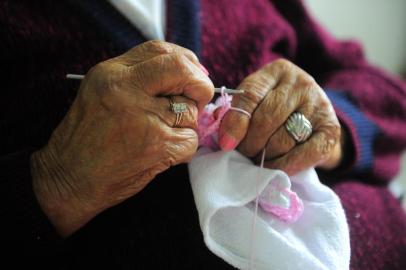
288,215
208,123
208,126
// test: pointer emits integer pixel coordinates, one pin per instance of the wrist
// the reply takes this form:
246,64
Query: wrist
56,194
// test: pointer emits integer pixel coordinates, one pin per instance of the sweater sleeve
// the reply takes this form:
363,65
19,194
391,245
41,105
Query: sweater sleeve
371,104
361,133
25,228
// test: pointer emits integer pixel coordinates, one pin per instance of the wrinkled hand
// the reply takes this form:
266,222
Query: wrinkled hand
118,134
272,94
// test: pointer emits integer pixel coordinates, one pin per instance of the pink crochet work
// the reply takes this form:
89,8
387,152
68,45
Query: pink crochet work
275,199
281,202
209,122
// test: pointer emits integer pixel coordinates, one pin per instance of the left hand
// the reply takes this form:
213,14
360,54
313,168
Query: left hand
271,95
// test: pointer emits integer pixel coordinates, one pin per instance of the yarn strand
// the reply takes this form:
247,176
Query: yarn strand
254,222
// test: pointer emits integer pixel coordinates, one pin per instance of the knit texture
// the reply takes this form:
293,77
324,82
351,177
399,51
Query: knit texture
42,41
362,131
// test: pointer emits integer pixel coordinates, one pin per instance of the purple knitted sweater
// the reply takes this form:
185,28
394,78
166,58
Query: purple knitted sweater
41,41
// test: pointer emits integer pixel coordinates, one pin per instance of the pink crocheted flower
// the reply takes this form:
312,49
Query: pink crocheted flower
281,202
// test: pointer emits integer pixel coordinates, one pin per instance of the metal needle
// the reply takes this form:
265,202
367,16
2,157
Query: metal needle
216,89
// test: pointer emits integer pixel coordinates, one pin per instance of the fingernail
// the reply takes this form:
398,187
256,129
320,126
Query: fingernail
204,69
227,143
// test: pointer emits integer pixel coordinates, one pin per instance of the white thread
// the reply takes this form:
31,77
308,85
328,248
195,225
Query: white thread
254,222
241,111
253,231
222,89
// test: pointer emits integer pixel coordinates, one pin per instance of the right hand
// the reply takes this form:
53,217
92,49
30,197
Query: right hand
118,134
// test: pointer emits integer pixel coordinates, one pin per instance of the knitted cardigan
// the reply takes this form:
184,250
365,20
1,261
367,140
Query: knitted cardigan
43,40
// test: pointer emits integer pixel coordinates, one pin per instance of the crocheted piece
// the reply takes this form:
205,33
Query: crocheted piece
209,121
281,202
275,199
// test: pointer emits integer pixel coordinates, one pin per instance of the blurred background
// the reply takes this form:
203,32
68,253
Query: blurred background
381,27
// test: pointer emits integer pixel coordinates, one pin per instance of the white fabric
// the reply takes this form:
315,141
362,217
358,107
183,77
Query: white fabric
224,189
149,16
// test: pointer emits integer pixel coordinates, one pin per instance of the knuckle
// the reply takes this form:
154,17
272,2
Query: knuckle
190,117
156,64
162,47
275,109
306,83
158,46
331,136
192,110
146,50
310,92
256,88
256,82
310,85
107,84
104,77
282,63
182,65
250,100
100,70
180,60
327,107
336,129
188,53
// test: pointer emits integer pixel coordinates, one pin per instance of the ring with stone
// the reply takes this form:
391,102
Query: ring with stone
178,109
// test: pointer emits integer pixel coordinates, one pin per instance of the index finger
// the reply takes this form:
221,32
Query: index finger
234,125
150,49
173,75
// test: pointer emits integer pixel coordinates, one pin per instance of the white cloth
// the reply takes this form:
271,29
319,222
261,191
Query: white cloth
224,188
149,16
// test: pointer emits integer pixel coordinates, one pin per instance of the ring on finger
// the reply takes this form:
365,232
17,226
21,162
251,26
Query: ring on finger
298,127
178,109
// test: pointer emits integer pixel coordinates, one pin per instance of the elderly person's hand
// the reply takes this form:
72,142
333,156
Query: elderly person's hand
119,133
272,94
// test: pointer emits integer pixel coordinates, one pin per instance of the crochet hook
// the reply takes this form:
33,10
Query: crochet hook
216,89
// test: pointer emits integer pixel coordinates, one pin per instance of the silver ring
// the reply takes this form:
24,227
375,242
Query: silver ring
299,127
178,109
